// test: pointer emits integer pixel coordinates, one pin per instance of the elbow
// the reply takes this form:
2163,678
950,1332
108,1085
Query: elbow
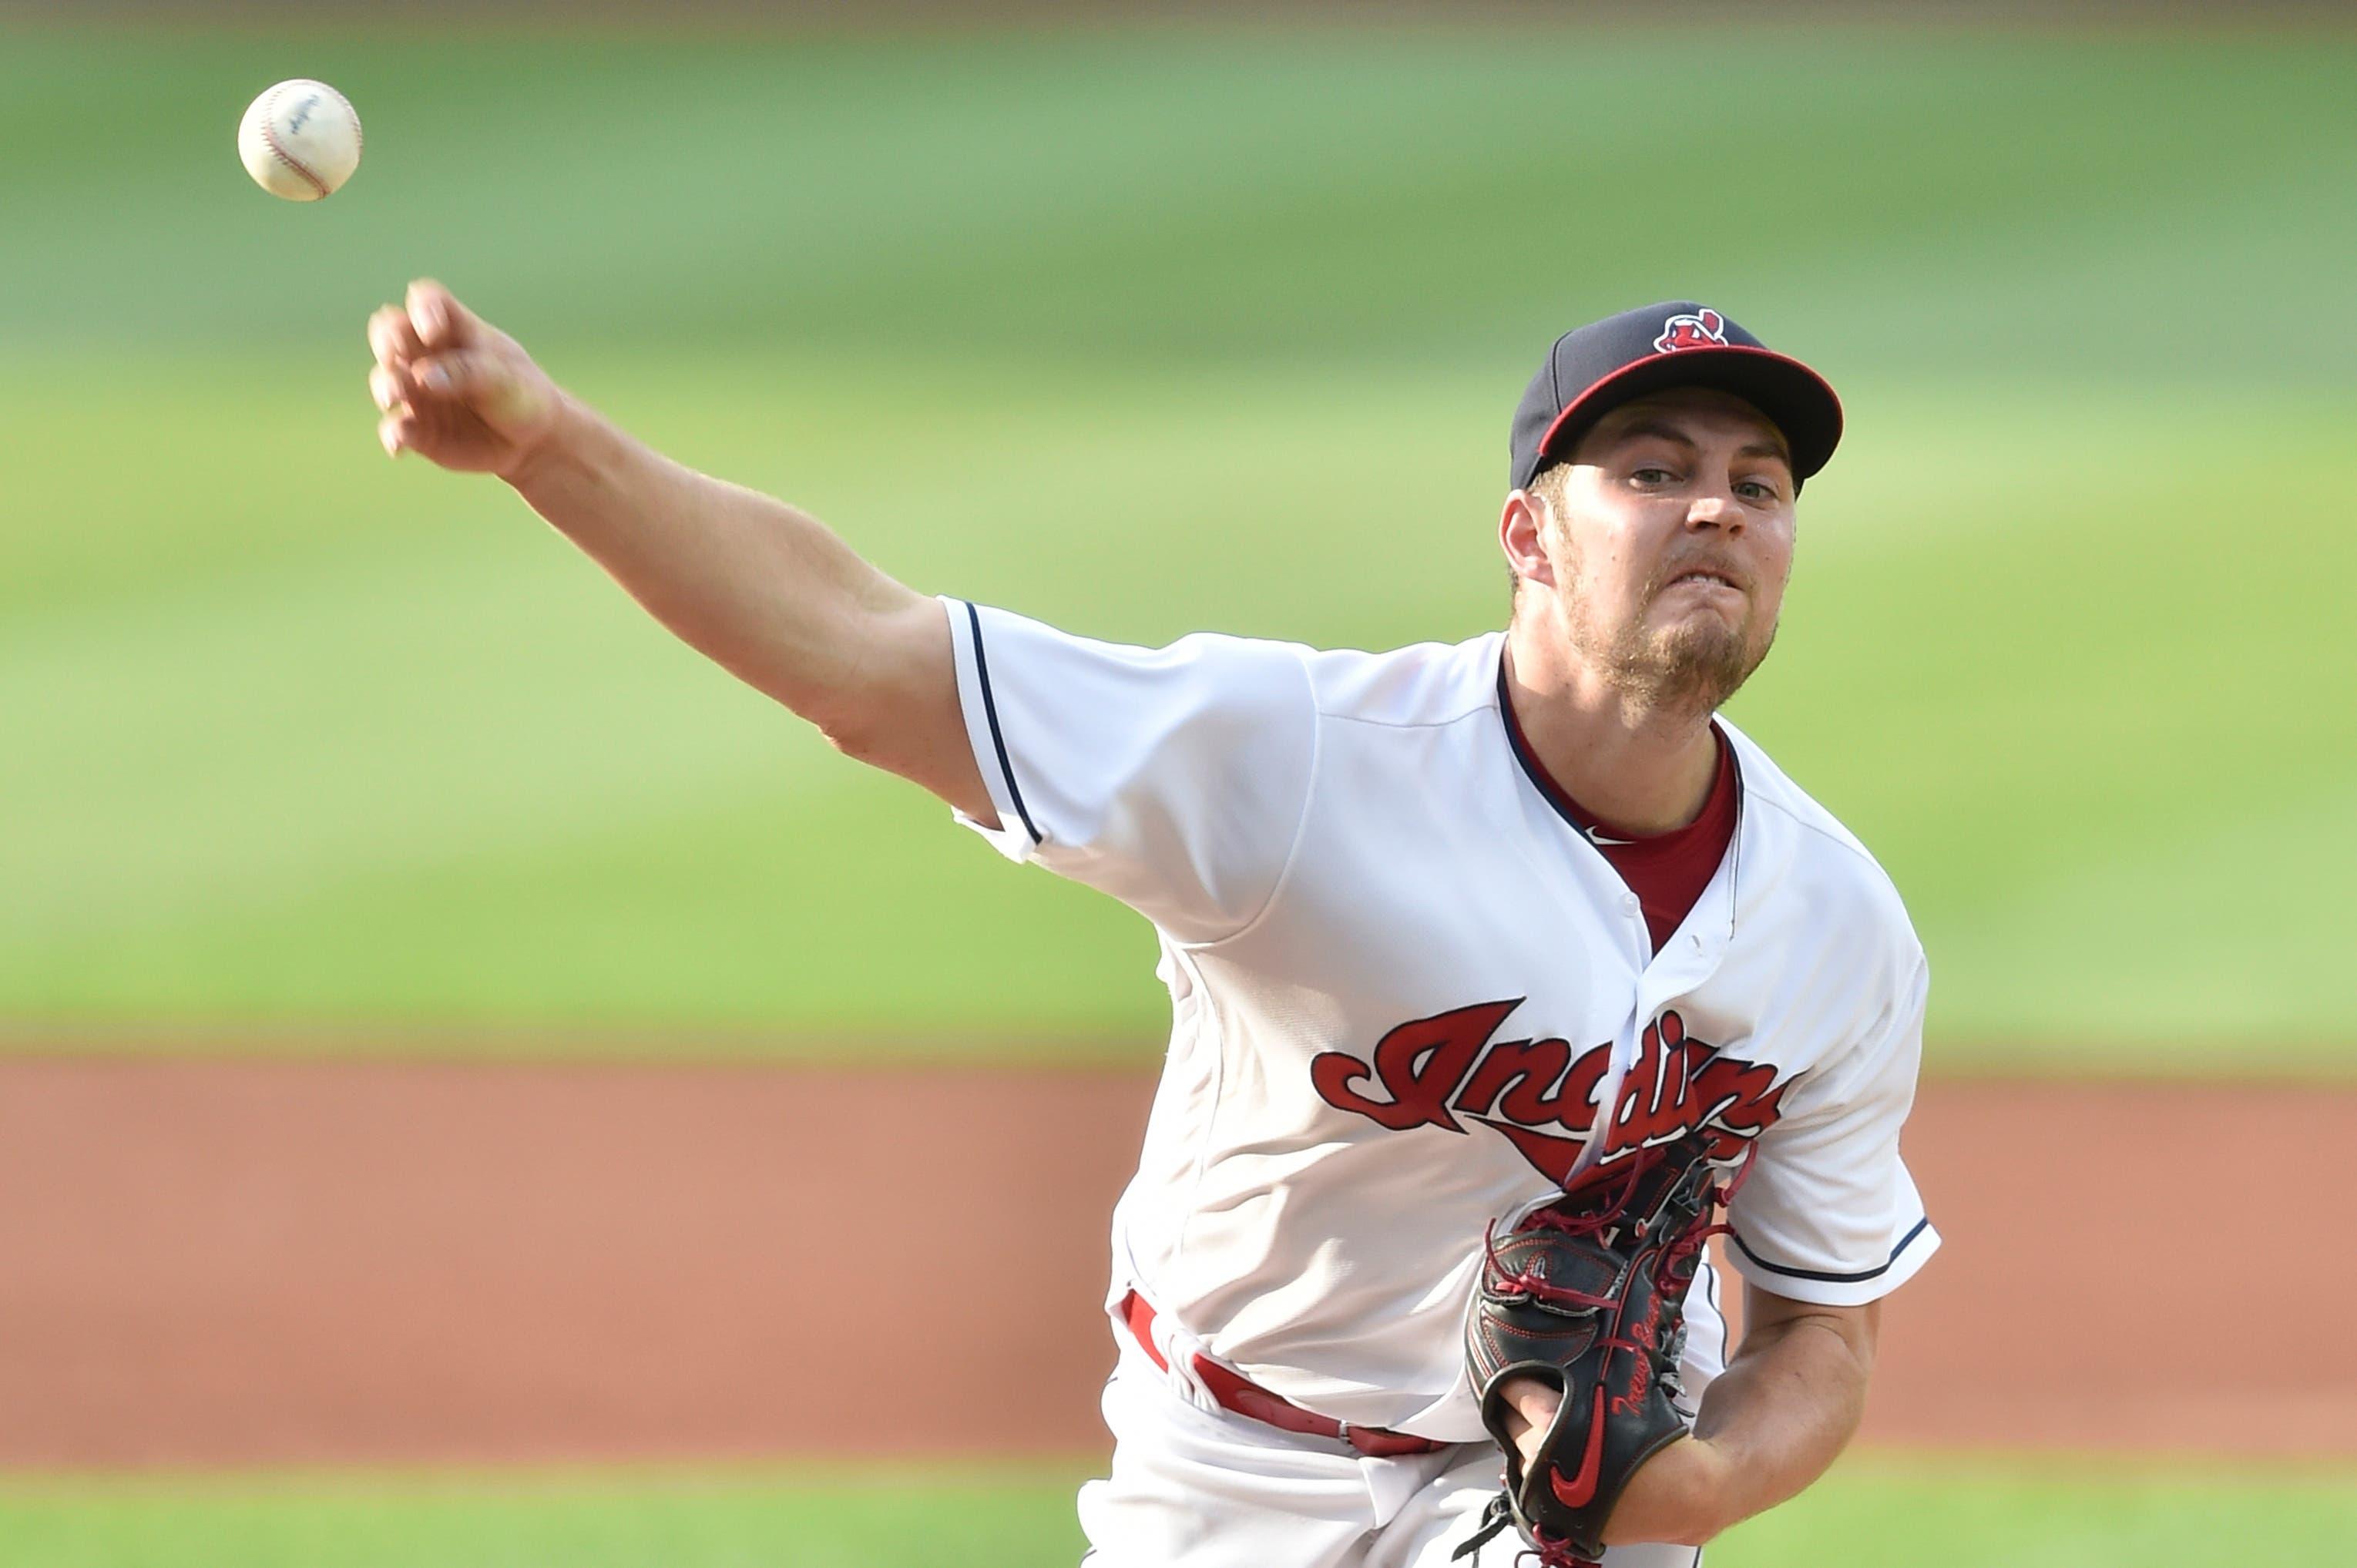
876,728
854,705
856,735
894,677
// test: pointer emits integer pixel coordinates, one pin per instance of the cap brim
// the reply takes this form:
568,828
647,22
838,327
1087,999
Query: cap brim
1796,399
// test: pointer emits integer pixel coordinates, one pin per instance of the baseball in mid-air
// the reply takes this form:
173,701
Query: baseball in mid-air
300,140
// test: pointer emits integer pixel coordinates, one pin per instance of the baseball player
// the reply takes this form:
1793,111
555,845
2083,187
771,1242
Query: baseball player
1498,970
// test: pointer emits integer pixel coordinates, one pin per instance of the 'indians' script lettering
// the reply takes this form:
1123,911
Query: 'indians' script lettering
1542,1096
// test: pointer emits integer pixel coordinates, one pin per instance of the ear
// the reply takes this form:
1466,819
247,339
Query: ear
1521,534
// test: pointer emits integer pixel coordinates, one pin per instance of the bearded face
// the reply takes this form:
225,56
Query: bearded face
1678,652
1669,536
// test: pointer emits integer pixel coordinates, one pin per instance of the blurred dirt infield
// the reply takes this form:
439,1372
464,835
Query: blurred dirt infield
231,1263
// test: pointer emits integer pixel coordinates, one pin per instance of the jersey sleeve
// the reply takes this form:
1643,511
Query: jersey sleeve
1829,1213
1173,779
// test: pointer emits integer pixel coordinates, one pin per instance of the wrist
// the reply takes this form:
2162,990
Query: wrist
559,446
1684,1495
1710,1504
1696,1506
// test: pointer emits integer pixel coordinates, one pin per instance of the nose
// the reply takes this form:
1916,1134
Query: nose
1716,508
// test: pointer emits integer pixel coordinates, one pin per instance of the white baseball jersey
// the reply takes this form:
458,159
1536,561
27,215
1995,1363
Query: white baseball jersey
1403,984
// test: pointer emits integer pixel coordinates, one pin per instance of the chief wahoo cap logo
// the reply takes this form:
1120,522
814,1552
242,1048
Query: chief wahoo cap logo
1704,330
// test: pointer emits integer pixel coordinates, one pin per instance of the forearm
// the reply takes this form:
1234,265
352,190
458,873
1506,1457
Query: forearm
760,587
1780,1414
1768,1426
749,581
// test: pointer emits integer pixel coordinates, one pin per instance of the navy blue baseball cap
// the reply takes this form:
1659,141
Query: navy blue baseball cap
1594,369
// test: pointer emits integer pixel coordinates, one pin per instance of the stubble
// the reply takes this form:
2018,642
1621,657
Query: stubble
1689,668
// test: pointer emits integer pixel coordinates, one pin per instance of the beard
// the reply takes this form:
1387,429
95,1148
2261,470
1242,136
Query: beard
1690,668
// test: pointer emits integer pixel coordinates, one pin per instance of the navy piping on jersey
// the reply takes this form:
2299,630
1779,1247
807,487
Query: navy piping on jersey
990,712
1548,792
1822,1278
1551,793
1726,1335
1531,768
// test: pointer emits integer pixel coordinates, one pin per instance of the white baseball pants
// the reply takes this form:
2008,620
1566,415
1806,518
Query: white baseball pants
1194,1486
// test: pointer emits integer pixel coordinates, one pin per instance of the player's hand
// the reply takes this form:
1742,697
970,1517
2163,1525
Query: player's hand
1673,1497
456,390
1530,1411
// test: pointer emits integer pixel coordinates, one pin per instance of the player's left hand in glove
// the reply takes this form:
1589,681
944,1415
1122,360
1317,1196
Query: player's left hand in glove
1587,1296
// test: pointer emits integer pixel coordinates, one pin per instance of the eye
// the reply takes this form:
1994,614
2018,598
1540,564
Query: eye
1757,490
1649,475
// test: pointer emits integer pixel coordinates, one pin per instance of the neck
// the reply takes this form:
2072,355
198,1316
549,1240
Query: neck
1639,768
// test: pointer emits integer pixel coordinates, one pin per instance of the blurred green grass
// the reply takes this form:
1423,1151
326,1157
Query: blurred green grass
1911,1513
1143,331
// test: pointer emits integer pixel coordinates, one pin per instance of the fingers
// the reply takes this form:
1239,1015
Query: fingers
456,377
434,393
1530,1404
430,317
497,385
397,382
396,433
411,394
437,318
449,386
392,339
387,387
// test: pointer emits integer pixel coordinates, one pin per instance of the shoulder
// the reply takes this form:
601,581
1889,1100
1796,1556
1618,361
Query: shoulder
1421,685
1213,649
1842,887
1205,667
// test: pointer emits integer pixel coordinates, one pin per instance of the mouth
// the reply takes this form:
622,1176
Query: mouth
1706,577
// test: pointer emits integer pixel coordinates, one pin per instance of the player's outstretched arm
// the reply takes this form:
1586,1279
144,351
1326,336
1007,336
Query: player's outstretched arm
760,587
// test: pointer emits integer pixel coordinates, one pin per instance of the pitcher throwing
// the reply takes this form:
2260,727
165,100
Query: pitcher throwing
1499,970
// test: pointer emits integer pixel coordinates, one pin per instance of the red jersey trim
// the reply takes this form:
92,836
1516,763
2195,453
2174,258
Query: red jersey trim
1667,871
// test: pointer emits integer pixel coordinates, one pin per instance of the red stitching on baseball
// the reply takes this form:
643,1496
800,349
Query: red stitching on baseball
270,135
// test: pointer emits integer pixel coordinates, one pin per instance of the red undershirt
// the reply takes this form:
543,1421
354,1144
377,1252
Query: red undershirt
1667,871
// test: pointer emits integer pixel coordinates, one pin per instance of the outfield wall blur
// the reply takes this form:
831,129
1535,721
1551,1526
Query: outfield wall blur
822,14
1142,329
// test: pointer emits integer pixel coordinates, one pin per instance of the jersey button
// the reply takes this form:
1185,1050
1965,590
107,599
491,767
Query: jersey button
1629,904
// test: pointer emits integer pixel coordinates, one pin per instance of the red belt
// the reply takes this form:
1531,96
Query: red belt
1234,1393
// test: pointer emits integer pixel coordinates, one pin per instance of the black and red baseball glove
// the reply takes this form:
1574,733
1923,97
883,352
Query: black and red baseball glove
1587,1296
